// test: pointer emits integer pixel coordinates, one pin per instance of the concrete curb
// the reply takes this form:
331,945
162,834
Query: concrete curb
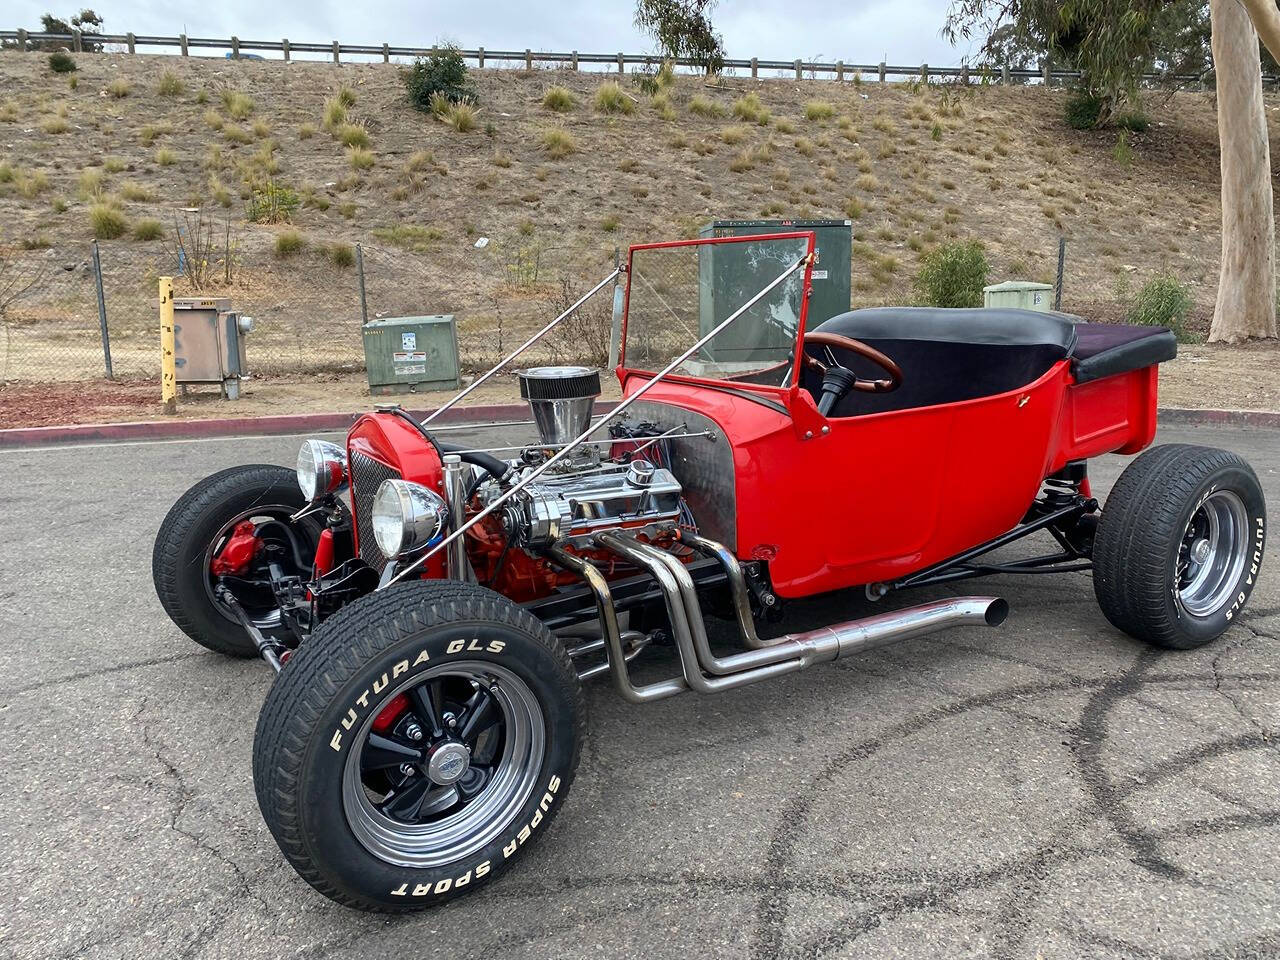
480,413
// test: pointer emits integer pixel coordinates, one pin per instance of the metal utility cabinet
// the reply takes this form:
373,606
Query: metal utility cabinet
1019,293
208,343
729,274
411,354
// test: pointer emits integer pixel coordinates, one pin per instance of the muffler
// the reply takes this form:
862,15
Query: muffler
704,672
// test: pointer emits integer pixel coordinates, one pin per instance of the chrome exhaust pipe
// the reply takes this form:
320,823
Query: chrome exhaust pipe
787,654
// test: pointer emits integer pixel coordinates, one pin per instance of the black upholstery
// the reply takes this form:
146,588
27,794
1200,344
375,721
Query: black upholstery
951,355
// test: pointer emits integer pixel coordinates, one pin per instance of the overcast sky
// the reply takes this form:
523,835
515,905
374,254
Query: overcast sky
857,31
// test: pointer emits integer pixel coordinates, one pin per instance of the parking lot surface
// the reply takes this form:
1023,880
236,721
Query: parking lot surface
1049,788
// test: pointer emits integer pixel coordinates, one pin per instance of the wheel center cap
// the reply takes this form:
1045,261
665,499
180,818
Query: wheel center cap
1200,551
448,763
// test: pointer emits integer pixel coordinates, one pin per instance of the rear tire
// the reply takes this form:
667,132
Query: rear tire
1179,545
337,789
179,560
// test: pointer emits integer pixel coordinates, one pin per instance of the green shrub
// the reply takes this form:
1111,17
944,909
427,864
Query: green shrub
148,229
953,275
169,85
443,73
1083,110
346,96
107,222
558,99
61,62
272,203
611,98
1134,120
335,114
342,254
289,242
1163,302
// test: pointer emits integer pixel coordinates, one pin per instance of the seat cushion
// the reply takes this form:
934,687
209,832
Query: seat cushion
996,326
1105,349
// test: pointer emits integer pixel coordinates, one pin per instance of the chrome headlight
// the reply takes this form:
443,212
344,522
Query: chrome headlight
407,516
322,468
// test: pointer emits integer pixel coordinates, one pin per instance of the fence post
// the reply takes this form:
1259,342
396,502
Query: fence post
924,73
882,71
1062,261
22,40
182,42
76,45
573,60
168,367
964,74
364,304
1047,70
129,38
284,47
840,71
386,53
480,58
102,312
755,68
797,69
336,52
1004,74
622,66
528,59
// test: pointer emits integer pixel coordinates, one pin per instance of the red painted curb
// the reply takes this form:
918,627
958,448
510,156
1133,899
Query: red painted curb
479,413
236,426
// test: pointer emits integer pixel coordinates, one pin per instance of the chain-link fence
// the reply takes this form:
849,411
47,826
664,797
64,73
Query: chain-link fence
308,306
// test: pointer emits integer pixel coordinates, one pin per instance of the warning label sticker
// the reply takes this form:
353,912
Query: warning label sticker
405,369
414,357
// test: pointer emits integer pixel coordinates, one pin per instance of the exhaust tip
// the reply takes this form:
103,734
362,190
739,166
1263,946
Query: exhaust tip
997,612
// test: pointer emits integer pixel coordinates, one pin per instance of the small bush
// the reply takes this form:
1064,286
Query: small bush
611,98
169,85
705,107
342,254
346,96
1122,152
148,229
73,82
153,131
661,102
1083,110
261,129
558,99
61,62
30,183
853,208
609,224
818,110
289,242
7,172
306,131
114,164
558,142
750,108
733,135
107,222
784,125
202,96
409,236
213,119
501,159
953,275
89,183
221,195
867,182
135,192
272,203
55,124
1134,120
119,88
238,105
461,116
166,157
353,135
335,114
1163,302
359,158
348,211
444,73
236,133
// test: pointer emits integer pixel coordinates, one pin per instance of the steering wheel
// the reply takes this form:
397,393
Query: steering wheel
837,381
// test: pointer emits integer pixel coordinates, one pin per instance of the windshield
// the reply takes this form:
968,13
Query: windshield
680,294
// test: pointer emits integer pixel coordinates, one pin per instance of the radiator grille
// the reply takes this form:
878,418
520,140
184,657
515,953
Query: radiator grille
367,475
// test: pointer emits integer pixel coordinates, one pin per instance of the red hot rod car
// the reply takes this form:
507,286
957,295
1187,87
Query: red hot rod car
432,609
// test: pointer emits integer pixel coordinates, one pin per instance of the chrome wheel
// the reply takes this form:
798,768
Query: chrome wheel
444,765
1212,554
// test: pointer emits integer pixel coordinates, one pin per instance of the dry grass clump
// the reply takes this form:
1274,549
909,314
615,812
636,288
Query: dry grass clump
360,158
238,105
867,182
341,254
166,157
353,135
461,116
55,124
733,135
818,110
107,222
705,107
153,131
784,125
213,119
170,85
29,183
114,164
119,88
409,236
558,142
261,129
661,102
236,133
148,229
335,113
306,131
750,108
134,192
346,96
89,183
289,242
611,98
558,98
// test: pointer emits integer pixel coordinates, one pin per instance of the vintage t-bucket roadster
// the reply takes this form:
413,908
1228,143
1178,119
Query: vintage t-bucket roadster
433,609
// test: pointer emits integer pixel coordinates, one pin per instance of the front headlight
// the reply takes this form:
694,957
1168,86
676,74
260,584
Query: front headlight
406,516
322,468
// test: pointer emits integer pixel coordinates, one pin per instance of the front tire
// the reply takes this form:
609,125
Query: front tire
368,766
1179,545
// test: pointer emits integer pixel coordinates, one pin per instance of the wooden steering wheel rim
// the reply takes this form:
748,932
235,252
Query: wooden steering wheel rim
819,338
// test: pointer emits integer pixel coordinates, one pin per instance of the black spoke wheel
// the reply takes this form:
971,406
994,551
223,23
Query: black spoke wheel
417,743
195,534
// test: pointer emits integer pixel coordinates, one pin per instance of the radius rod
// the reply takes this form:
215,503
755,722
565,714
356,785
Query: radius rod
701,669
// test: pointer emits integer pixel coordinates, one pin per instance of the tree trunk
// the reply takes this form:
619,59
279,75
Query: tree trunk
1246,304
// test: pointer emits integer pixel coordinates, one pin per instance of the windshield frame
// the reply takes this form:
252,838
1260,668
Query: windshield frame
788,390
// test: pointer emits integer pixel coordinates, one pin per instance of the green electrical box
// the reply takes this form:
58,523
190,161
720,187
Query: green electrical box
1019,293
411,354
730,274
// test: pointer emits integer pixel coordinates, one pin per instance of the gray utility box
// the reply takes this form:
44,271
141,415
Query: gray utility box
208,343
411,354
1019,293
730,274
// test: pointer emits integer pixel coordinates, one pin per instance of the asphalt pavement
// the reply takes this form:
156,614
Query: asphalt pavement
1049,788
